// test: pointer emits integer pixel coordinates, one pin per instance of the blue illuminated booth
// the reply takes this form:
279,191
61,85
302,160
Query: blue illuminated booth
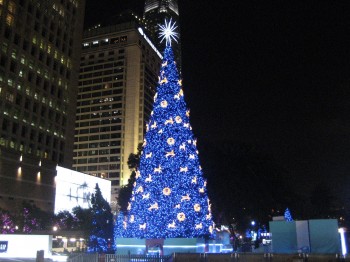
168,246
317,236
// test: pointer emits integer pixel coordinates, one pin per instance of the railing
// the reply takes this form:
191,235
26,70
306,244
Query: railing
257,257
119,258
84,258
137,258
201,257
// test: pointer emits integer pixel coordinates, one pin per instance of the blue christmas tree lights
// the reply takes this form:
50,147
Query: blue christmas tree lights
101,239
169,198
287,215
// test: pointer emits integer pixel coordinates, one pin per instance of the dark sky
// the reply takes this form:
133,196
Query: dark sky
273,74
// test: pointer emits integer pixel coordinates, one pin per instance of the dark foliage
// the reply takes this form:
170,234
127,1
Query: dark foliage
125,191
31,218
102,227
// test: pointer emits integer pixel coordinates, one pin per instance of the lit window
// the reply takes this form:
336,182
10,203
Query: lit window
9,20
14,54
4,47
9,97
12,7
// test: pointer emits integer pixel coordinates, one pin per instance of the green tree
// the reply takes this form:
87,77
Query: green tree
64,220
33,218
101,238
134,159
7,224
83,220
125,191
288,215
169,198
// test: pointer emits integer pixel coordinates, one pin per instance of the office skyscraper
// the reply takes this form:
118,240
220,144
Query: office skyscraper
155,12
40,44
118,75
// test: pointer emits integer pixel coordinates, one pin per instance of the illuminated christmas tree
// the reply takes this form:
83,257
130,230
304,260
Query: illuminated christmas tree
169,198
101,238
287,215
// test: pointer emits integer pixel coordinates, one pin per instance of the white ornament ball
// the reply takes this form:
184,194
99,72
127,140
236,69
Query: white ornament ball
166,191
181,216
171,141
178,119
197,207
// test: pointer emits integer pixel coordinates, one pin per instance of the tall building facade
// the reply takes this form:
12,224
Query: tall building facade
155,12
118,75
39,58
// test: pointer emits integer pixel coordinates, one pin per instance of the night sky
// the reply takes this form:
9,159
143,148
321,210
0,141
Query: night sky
270,74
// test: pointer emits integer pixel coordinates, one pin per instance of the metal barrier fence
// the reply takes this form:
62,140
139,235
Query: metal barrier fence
257,257
137,258
84,258
197,257
119,258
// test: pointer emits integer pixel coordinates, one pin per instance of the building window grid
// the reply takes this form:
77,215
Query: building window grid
39,83
28,113
84,87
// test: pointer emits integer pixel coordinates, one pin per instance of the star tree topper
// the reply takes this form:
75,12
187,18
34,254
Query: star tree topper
167,32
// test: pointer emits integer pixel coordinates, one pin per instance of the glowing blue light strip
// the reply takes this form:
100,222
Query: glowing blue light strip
226,250
130,245
180,246
172,246
342,239
203,245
